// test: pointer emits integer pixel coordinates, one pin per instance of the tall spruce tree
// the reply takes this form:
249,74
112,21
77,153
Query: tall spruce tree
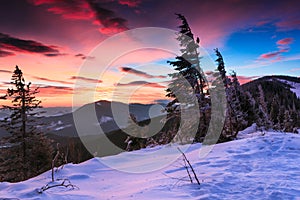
188,81
30,151
228,124
238,104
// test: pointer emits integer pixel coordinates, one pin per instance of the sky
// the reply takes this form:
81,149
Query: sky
52,40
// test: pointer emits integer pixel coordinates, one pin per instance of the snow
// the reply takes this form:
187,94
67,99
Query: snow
295,87
105,119
62,127
261,165
59,125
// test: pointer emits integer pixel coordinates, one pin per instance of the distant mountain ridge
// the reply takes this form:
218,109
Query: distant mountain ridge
63,124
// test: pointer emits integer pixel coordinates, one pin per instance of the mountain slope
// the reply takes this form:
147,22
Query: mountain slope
260,166
63,124
278,97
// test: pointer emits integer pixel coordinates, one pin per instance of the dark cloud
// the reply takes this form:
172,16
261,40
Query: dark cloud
107,18
54,54
51,80
5,71
139,73
54,90
6,53
82,56
10,43
85,79
141,83
130,3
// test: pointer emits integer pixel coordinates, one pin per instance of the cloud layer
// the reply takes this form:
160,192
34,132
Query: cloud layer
141,83
91,10
282,45
139,73
9,45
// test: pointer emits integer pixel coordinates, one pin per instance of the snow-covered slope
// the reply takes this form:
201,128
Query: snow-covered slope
259,166
295,87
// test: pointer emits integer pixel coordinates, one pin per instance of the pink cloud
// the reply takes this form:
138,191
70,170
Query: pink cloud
285,41
111,30
4,53
269,55
67,13
141,83
130,3
51,80
87,10
85,79
54,90
246,79
77,10
282,45
289,24
40,2
262,22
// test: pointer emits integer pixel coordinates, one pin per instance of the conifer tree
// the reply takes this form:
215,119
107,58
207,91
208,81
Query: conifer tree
30,148
235,116
274,112
188,81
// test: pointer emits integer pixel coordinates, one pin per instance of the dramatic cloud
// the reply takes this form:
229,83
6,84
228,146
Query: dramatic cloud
108,19
27,46
85,79
139,73
88,10
68,9
141,83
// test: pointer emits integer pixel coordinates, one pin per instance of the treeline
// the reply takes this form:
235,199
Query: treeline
268,102
280,106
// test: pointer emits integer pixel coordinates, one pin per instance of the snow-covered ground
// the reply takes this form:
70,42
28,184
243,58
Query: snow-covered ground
260,165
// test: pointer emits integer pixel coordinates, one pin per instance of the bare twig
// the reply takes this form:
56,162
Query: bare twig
53,161
65,183
188,162
187,170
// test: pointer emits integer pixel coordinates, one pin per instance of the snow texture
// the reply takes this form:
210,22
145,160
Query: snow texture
261,165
